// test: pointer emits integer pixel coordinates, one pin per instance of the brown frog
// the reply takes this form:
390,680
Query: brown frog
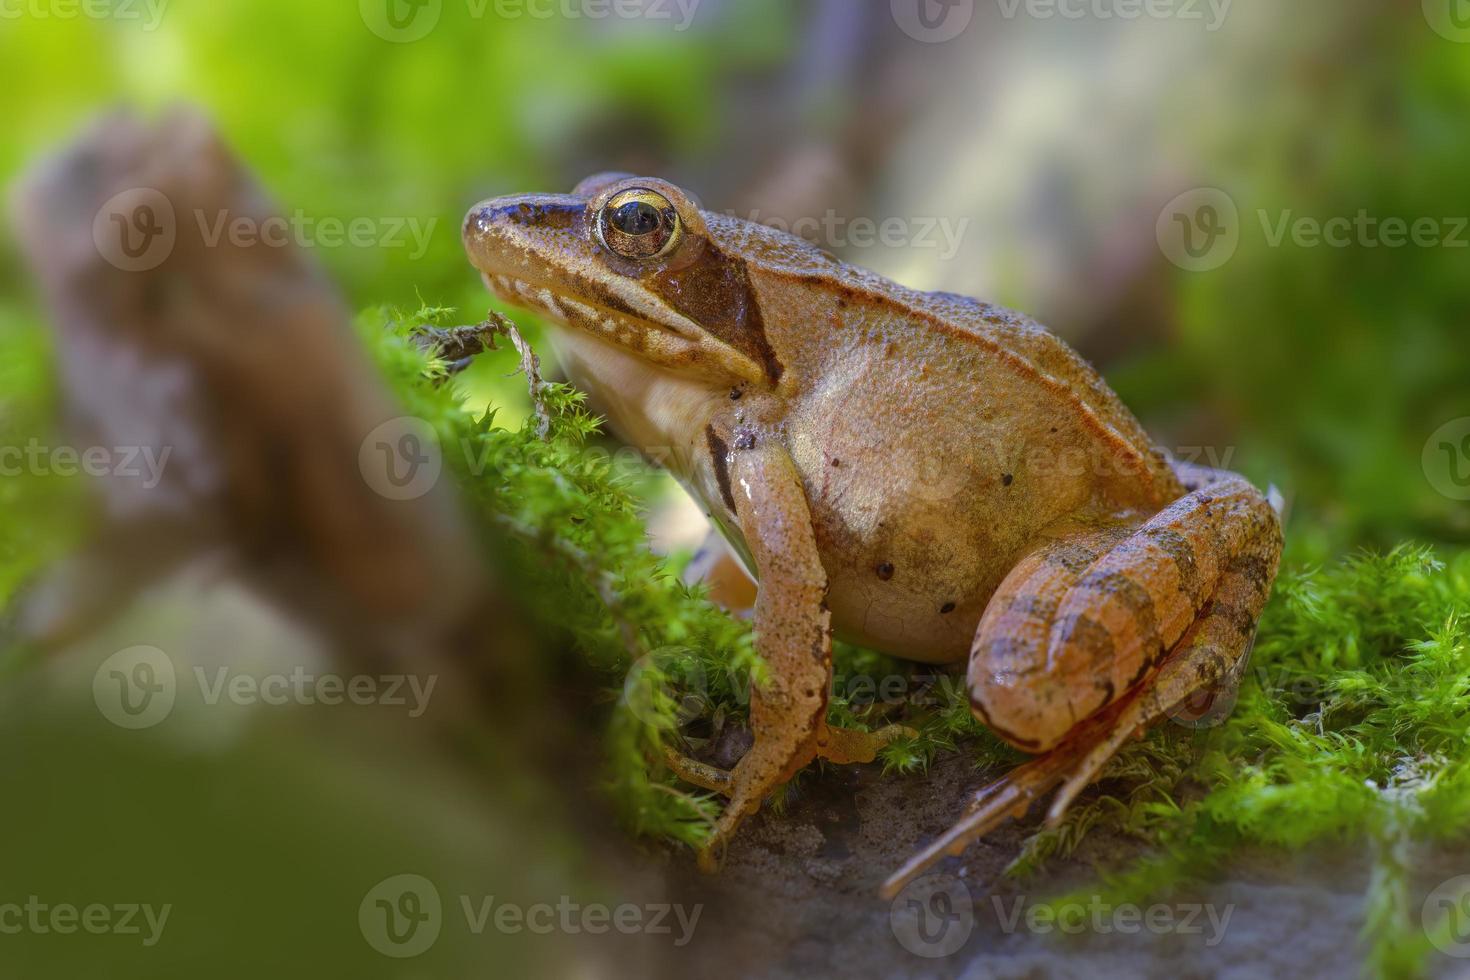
922,473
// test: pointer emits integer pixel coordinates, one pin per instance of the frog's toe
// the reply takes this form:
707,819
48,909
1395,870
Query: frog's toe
1009,796
701,774
711,857
845,746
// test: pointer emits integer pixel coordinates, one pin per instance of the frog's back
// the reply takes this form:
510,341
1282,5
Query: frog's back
999,340
1041,358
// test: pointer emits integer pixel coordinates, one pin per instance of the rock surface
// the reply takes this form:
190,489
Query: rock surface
798,898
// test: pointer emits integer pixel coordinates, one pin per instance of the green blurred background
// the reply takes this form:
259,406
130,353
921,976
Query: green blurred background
1060,142
1324,369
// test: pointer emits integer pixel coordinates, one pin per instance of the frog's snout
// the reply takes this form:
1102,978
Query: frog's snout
502,228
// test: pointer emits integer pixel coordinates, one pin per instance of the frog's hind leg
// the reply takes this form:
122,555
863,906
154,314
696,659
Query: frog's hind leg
1068,658
1068,634
1016,630
1212,654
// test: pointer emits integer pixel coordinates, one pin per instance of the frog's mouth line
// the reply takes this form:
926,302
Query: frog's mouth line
572,311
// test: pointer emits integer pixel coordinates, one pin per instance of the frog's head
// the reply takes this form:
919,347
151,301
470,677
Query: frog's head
632,261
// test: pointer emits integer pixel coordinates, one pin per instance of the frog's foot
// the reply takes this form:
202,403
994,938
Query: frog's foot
1009,796
701,774
843,746
765,766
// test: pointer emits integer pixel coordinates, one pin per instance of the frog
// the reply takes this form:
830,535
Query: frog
921,473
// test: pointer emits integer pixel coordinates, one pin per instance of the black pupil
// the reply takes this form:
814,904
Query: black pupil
636,218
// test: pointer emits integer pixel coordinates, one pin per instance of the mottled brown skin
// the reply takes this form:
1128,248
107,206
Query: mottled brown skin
922,473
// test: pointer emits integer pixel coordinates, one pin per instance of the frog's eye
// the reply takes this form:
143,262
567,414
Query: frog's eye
639,224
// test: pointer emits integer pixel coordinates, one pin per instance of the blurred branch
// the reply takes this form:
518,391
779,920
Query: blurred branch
232,361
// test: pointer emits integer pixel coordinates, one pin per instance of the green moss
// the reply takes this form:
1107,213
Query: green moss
1351,724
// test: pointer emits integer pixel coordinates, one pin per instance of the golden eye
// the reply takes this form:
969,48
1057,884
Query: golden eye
639,224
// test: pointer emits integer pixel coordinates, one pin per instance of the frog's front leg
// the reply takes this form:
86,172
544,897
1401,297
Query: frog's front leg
1100,632
793,638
